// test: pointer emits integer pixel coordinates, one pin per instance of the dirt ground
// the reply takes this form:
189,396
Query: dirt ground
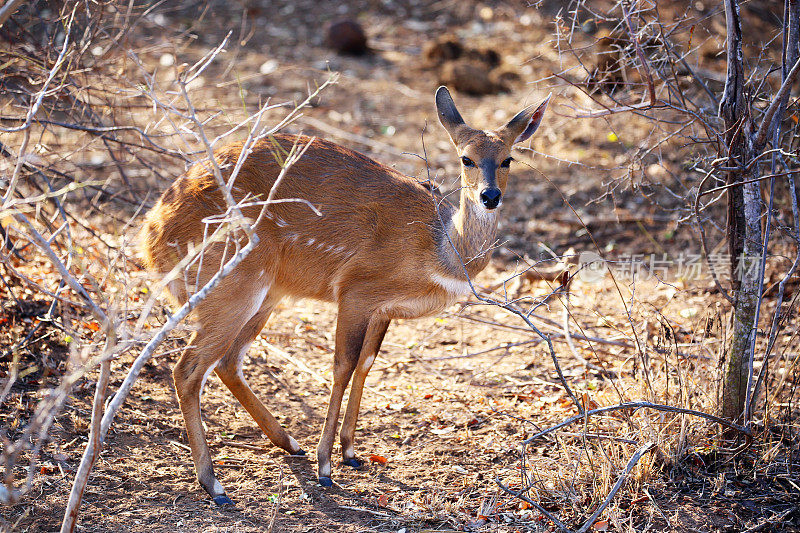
450,398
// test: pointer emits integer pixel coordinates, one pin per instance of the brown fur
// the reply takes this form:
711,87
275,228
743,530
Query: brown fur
329,177
380,249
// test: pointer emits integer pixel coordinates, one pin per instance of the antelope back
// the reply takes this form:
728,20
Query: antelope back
372,219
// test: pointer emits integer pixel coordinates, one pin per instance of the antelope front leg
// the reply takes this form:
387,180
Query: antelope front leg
351,327
372,343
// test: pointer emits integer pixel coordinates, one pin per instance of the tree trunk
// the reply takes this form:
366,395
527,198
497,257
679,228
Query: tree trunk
744,227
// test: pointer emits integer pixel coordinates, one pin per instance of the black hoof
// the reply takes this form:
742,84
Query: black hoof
298,453
325,481
354,463
222,500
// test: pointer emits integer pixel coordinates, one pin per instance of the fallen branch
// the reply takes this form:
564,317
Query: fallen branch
620,480
518,494
299,364
591,520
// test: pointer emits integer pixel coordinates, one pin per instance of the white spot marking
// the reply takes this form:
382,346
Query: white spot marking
205,377
294,445
486,215
310,241
366,365
340,249
240,360
255,303
413,307
454,286
349,453
325,470
280,222
218,490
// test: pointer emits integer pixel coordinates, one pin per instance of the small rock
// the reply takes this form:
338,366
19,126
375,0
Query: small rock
417,25
486,56
504,76
445,48
268,67
467,77
347,37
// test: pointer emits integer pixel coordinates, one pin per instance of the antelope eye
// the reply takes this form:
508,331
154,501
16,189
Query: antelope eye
506,162
467,162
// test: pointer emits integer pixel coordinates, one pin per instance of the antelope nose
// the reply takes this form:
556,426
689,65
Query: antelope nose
491,197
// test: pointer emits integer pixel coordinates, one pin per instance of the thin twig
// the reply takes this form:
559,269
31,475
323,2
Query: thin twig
32,113
7,10
650,86
277,505
319,378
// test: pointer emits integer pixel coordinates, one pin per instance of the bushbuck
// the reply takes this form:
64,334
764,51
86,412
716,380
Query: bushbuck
382,246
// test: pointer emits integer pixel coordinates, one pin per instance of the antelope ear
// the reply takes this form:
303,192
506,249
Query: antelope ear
448,114
523,124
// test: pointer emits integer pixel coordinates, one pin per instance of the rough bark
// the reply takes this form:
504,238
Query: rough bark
743,228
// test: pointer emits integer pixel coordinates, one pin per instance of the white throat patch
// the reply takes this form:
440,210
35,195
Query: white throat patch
483,214
455,286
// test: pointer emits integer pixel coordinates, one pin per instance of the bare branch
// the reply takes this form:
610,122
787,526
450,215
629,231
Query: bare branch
777,103
640,405
7,10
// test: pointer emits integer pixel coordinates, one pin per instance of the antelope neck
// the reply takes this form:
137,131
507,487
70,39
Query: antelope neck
471,230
